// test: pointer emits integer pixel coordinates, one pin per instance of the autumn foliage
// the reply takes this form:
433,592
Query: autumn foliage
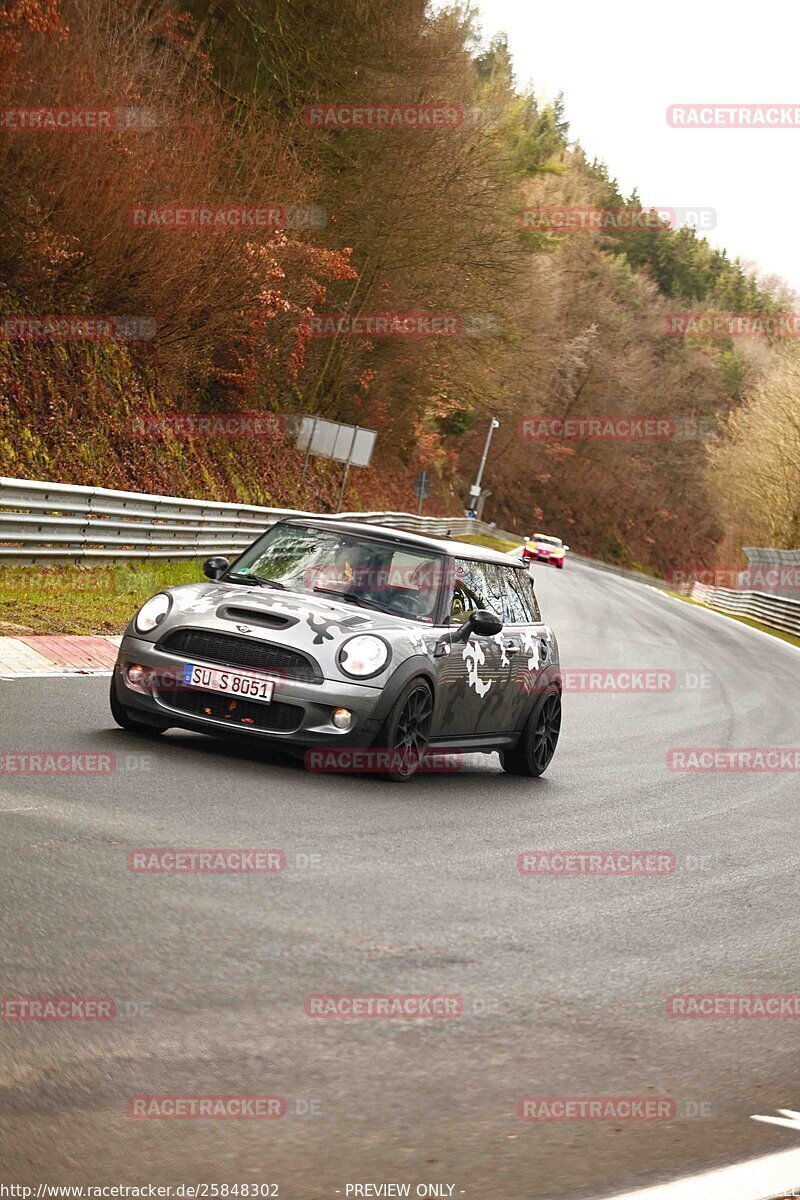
211,102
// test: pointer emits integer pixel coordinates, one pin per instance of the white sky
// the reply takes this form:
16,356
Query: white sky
621,64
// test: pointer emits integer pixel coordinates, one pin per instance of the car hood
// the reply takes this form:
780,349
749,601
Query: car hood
314,625
202,598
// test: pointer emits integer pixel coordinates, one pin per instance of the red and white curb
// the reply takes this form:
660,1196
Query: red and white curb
29,657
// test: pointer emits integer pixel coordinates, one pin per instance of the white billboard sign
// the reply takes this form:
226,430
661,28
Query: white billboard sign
329,439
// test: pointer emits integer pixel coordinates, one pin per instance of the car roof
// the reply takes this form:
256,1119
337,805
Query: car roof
405,538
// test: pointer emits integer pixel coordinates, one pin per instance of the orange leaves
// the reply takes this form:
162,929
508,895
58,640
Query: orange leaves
38,17
559,450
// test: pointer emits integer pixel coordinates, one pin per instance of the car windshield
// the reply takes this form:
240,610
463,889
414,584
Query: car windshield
549,541
394,578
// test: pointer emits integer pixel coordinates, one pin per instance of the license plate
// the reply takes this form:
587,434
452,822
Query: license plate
232,683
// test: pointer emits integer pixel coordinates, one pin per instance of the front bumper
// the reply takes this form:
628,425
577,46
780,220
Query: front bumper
299,714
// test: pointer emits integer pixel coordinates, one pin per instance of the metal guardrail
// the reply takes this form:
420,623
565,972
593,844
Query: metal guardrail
56,522
776,572
756,555
776,611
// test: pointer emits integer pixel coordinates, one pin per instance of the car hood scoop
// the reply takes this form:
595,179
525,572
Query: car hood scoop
243,614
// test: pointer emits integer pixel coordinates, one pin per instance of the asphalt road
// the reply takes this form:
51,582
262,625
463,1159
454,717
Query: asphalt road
412,889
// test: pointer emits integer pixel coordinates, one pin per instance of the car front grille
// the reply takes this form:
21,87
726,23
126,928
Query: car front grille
276,717
232,651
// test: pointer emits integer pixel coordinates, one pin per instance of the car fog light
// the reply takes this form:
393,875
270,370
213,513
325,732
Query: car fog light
136,677
342,718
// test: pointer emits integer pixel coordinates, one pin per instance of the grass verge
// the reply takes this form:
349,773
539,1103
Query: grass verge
69,599
493,543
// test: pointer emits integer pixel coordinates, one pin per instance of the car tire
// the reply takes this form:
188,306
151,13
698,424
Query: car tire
537,743
407,727
122,716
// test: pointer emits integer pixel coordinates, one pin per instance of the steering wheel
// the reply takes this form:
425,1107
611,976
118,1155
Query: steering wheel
411,603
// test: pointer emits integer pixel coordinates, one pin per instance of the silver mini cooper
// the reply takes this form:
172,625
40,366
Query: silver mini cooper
334,635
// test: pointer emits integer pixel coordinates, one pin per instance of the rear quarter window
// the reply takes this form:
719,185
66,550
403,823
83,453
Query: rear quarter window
477,585
521,597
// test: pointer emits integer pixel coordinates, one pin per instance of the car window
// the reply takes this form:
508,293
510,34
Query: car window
516,611
495,589
404,581
477,585
525,590
408,570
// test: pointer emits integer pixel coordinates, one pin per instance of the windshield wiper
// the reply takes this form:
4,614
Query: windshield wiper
247,577
351,596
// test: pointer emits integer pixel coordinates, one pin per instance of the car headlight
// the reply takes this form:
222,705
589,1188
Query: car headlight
152,612
363,655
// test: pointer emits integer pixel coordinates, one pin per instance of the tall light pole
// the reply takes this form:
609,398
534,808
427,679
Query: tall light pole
475,490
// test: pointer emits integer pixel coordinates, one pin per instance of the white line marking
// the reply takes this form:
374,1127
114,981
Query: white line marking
30,808
72,674
793,1121
758,1179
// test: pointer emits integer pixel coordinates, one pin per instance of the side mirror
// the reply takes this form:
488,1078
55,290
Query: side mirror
566,547
214,567
482,622
526,539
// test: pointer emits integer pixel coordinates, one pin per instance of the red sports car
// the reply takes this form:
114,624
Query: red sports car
541,548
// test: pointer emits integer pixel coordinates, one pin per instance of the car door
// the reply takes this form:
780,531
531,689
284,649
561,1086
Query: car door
498,713
526,643
473,674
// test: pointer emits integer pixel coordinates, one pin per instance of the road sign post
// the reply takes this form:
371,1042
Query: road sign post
475,490
422,489
347,468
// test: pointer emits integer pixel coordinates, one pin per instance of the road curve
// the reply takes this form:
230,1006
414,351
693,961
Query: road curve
414,890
